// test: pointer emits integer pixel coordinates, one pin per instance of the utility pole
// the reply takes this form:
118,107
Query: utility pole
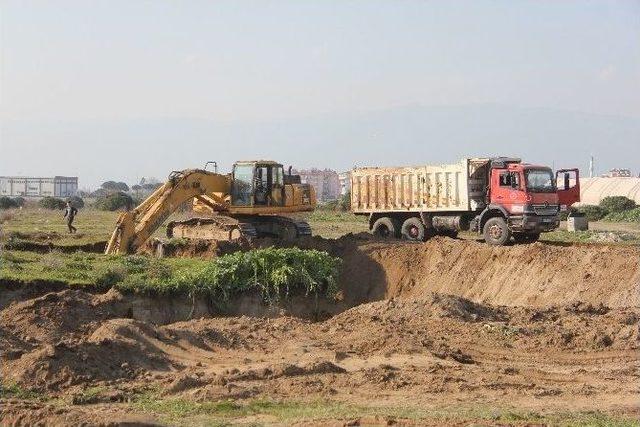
591,167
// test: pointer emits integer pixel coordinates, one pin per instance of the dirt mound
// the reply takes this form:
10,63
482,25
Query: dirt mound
118,349
58,315
434,348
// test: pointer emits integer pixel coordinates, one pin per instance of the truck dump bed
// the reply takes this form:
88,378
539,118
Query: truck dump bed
429,188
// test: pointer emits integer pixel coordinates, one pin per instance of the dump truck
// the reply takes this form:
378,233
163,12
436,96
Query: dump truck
499,198
251,201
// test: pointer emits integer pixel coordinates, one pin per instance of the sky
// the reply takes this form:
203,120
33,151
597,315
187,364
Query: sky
102,65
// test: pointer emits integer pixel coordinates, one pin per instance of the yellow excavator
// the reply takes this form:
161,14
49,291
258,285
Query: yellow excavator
247,203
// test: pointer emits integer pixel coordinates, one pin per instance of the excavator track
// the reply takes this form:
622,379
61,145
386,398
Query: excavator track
232,228
219,227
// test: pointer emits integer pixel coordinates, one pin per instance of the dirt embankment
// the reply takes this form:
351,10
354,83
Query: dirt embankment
522,275
536,274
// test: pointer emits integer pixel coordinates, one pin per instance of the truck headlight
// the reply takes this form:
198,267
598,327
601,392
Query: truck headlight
516,209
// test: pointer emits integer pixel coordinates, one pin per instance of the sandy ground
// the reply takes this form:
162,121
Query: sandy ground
535,327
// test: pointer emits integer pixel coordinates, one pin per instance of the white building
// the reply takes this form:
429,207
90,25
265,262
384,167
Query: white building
23,186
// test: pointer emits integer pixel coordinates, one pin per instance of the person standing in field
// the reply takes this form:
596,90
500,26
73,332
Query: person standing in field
69,214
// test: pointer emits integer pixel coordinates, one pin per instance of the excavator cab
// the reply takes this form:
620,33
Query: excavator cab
257,184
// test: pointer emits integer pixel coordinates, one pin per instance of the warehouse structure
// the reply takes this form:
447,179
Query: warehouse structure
593,190
37,187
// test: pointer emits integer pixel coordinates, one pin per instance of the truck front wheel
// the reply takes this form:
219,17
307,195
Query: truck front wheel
386,227
413,229
496,232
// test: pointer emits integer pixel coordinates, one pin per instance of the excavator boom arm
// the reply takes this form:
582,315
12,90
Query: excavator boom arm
134,228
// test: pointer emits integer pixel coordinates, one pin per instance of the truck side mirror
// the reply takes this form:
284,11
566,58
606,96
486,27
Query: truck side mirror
567,184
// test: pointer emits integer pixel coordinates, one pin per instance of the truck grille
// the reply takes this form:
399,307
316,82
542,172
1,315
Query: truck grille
545,210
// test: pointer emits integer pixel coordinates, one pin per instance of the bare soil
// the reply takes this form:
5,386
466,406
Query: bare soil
537,327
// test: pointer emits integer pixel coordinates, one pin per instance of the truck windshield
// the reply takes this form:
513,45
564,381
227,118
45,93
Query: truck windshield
540,180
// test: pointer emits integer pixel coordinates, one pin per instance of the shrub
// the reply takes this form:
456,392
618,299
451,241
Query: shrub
593,212
76,202
275,273
19,201
114,201
110,276
617,203
631,215
7,203
345,202
52,203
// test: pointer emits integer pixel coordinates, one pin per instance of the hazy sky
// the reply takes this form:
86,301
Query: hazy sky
252,61
238,60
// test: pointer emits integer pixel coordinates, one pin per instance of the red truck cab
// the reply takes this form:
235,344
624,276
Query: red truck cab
524,200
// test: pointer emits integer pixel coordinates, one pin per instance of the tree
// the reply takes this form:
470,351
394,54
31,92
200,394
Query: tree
52,203
76,202
151,186
114,201
115,186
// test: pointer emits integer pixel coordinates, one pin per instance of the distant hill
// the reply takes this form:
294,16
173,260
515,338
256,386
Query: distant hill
129,149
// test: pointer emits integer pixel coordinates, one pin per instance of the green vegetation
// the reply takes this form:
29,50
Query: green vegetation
592,236
593,213
10,203
631,215
115,186
612,208
52,203
614,204
10,389
274,273
185,412
77,202
114,201
30,223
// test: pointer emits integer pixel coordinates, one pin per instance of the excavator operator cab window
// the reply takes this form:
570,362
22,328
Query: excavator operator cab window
263,181
278,176
258,184
242,189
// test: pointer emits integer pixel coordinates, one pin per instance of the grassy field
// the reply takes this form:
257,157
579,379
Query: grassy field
43,225
273,272
46,226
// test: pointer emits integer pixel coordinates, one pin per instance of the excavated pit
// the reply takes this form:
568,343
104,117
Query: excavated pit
442,321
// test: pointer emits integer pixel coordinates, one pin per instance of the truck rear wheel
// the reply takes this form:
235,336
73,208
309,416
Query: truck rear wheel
496,232
413,229
386,228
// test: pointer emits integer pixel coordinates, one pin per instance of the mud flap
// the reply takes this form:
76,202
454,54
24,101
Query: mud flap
568,182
